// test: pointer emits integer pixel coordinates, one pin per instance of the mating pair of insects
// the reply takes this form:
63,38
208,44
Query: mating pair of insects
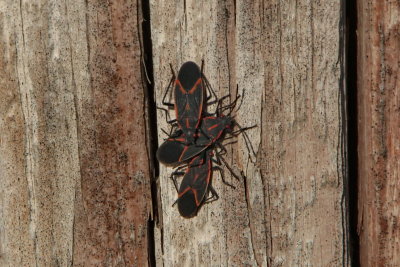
195,140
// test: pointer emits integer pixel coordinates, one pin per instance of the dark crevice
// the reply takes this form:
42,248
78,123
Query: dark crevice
352,127
151,242
151,124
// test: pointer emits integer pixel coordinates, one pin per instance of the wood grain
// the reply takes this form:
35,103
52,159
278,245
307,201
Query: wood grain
284,56
74,165
378,129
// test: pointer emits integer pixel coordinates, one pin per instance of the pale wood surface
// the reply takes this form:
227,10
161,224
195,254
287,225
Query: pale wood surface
379,132
74,170
291,209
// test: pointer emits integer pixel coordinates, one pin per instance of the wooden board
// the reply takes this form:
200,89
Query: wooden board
75,185
378,131
286,58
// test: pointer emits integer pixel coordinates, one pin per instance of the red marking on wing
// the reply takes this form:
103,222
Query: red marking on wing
196,198
176,115
194,193
183,153
191,91
192,161
184,191
212,127
201,108
178,83
209,171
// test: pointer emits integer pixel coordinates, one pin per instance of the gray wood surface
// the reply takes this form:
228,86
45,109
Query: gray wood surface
285,56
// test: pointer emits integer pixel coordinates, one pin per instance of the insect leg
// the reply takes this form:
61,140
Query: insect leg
247,141
214,196
241,102
167,118
177,172
168,89
221,171
220,158
211,92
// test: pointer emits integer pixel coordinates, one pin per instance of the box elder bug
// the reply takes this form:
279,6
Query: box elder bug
174,151
197,136
189,99
196,183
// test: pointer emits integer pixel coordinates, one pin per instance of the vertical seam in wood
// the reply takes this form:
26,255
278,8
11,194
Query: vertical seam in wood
341,146
27,147
246,195
150,119
77,129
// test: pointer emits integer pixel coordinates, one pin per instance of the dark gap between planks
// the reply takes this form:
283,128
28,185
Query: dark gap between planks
352,127
147,55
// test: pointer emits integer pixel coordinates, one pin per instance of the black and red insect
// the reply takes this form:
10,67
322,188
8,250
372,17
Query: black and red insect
196,139
174,151
189,99
196,184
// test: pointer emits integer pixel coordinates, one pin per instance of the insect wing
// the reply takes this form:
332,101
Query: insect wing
189,98
194,186
212,129
191,151
170,151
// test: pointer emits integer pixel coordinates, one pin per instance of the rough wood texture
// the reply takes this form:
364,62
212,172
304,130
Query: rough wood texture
74,168
291,209
379,135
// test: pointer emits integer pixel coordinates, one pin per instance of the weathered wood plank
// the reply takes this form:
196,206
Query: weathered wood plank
285,56
75,179
17,247
378,131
